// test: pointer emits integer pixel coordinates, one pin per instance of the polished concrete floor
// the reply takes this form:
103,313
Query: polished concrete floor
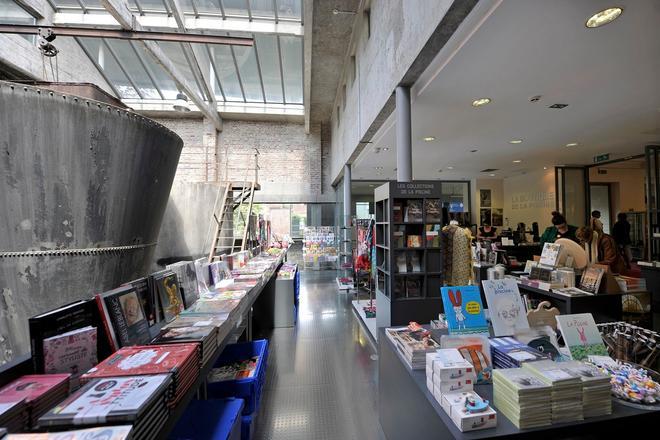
322,374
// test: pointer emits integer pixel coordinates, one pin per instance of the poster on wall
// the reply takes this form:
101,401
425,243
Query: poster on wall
497,217
485,216
485,197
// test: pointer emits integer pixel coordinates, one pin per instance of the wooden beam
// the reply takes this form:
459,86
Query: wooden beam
120,11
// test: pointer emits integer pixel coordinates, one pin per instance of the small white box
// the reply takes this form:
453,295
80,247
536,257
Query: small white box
453,386
449,364
466,421
450,399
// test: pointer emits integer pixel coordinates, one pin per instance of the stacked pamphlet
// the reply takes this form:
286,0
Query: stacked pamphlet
566,389
179,360
522,397
36,393
413,345
136,400
121,432
596,388
205,336
509,352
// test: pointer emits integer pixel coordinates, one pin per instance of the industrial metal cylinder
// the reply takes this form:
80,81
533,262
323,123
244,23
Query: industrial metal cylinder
83,191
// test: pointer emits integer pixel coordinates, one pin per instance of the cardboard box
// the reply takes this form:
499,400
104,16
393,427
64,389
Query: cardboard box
453,386
454,406
449,364
450,399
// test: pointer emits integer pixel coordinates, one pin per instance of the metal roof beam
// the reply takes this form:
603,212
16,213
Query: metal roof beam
120,11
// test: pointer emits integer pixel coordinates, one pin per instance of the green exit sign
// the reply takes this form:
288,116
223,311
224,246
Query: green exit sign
602,158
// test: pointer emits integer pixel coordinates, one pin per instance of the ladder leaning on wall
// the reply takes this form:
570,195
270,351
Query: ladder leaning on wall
234,206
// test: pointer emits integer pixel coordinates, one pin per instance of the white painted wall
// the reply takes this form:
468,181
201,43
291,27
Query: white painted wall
529,198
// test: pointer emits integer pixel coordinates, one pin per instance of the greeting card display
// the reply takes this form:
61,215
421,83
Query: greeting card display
463,309
507,312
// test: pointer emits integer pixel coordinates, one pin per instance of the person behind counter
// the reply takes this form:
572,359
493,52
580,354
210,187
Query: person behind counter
559,229
601,249
486,231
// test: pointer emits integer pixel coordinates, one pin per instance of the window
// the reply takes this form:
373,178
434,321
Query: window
11,13
362,210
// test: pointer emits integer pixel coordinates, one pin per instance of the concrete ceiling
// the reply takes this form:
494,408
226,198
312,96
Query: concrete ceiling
510,51
330,38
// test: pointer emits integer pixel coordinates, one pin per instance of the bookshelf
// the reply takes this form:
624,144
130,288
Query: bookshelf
409,259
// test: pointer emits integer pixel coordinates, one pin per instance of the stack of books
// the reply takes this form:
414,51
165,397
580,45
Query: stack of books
140,401
179,360
221,307
36,394
205,336
509,352
448,372
413,345
566,389
121,432
596,388
522,397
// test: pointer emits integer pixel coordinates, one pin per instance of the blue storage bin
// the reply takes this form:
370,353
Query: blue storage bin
248,426
248,389
215,419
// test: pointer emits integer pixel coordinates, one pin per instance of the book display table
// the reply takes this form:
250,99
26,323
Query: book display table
407,409
604,307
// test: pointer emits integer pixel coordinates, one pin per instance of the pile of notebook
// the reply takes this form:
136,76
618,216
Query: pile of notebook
522,397
25,399
140,401
566,389
179,360
508,352
596,388
413,345
205,336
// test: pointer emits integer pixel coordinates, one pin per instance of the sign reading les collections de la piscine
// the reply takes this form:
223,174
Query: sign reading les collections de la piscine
416,188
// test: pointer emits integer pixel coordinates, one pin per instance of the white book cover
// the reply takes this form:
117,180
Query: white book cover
72,352
550,254
506,308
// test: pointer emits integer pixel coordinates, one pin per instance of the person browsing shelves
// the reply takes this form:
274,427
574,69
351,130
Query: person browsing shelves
601,249
559,229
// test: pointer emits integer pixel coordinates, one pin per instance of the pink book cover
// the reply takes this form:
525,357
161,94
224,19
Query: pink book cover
148,359
73,352
32,387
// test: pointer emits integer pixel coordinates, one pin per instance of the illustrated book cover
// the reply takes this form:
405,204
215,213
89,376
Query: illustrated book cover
166,287
591,279
463,309
72,352
550,254
187,277
123,317
581,335
506,309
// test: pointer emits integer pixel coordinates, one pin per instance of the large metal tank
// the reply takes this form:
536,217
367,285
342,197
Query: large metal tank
83,191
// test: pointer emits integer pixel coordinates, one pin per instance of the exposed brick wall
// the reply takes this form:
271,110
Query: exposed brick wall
292,163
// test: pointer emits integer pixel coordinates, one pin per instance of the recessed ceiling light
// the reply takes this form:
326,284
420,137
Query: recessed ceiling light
545,168
515,141
429,138
603,17
517,161
386,148
480,102
492,175
572,144
379,168
450,168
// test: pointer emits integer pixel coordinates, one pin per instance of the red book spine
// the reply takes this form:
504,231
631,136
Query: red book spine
112,339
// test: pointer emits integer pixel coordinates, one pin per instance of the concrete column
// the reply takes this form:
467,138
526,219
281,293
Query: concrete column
403,135
348,203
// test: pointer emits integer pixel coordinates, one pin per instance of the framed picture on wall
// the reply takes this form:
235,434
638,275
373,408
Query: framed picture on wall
485,215
485,198
497,217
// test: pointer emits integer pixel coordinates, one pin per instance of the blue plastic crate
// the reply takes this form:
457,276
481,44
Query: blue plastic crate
248,426
221,418
248,389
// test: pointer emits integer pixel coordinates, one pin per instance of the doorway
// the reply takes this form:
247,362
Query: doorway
600,198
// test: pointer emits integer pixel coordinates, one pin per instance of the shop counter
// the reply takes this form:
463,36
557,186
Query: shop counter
407,410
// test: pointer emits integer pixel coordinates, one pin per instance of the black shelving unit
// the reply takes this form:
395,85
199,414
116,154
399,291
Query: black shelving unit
409,274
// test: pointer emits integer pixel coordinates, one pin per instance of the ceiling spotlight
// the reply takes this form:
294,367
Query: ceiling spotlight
386,148
492,175
572,144
379,168
545,168
473,151
429,138
517,161
480,102
603,17
450,168
181,103
515,141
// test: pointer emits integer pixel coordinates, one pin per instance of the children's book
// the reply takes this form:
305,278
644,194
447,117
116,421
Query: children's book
550,254
581,335
506,309
591,278
464,310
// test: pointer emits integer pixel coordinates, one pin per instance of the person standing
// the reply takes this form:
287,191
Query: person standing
559,229
621,234
595,223
601,249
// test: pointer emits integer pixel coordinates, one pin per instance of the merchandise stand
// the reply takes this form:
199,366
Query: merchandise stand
408,410
238,324
369,323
